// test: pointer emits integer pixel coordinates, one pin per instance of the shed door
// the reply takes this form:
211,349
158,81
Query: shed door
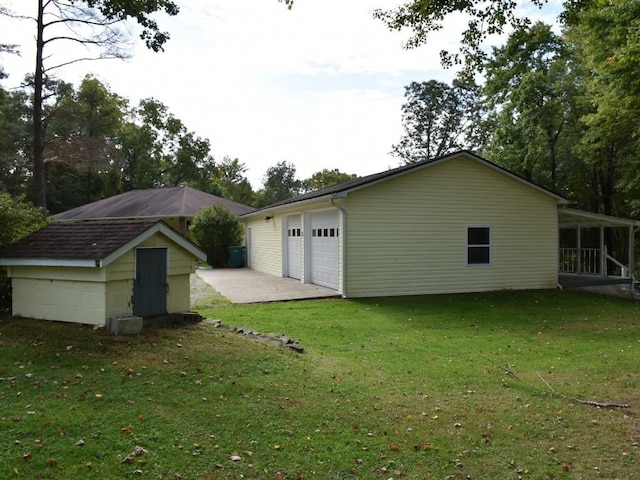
324,249
150,286
294,246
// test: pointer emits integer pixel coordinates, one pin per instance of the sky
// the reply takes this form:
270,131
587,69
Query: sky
318,86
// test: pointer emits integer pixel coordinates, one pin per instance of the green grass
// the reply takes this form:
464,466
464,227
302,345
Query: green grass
412,387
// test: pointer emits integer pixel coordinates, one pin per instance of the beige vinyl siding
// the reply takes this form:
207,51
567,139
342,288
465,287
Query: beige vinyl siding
123,268
408,235
62,300
181,262
266,244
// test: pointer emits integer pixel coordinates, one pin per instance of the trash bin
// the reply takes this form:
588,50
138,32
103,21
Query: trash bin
236,257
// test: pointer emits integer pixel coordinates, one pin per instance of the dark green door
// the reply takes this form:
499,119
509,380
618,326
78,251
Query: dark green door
150,286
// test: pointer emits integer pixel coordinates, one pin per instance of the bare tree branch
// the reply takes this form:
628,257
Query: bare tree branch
509,371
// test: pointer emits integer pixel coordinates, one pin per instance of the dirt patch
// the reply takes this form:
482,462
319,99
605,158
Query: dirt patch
204,295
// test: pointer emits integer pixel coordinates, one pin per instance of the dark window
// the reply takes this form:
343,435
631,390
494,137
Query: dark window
478,245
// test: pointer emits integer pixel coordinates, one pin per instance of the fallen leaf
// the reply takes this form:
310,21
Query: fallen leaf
394,447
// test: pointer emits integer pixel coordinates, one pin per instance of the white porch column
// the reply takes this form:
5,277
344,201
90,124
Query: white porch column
632,247
579,252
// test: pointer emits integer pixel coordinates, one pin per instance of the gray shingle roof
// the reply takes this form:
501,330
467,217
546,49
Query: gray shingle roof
361,182
152,203
86,240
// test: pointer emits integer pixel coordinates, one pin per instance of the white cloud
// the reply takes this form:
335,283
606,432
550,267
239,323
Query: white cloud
320,85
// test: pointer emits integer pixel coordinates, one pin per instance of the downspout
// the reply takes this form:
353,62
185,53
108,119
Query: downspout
343,223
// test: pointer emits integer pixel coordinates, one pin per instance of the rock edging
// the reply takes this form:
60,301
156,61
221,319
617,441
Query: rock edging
278,339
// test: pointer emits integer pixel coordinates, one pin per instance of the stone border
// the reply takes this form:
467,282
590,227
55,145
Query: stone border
278,339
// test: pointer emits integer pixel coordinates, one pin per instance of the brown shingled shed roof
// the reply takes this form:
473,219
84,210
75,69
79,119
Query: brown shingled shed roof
86,243
160,202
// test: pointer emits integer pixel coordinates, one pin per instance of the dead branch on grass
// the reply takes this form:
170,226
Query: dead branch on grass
509,371
583,401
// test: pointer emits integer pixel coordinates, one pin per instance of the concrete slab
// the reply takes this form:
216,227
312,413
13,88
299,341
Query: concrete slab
243,285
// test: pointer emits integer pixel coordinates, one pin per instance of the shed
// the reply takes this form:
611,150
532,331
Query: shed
90,272
175,205
453,224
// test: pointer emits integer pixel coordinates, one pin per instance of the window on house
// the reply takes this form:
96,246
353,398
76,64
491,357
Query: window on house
478,245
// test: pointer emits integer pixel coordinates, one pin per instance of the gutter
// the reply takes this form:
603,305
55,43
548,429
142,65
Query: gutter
343,223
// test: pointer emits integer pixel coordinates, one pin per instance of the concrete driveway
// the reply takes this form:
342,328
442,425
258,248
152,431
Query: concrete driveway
243,285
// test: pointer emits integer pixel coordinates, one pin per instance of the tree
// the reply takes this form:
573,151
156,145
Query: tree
606,37
14,135
437,119
215,229
158,149
485,18
532,83
92,24
83,143
279,183
18,219
231,179
326,178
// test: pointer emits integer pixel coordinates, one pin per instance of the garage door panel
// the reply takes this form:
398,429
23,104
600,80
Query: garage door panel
294,247
324,249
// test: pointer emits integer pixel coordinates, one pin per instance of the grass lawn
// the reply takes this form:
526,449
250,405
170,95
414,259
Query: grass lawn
412,387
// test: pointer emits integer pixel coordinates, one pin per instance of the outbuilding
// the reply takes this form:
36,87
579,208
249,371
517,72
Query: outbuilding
453,224
91,272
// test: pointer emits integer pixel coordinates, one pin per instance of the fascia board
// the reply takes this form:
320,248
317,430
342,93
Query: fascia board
49,262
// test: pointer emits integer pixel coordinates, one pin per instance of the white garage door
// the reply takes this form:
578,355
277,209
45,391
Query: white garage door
324,249
294,246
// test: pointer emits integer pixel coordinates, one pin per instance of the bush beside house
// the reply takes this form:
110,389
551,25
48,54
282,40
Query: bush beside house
215,229
18,219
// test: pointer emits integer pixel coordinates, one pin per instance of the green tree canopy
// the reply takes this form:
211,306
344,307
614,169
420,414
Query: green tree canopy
326,178
215,229
280,183
437,119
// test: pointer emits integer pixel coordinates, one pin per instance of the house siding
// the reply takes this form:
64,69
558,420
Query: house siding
266,244
407,235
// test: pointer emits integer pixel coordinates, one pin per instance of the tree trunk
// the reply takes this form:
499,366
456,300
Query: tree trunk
38,124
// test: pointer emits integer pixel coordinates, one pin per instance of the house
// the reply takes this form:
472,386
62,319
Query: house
91,272
175,205
457,223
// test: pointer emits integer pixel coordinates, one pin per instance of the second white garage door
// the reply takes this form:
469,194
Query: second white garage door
324,248
294,246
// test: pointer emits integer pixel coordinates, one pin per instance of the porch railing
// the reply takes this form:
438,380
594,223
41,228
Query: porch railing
590,262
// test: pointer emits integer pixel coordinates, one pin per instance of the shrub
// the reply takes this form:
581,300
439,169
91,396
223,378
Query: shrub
18,219
215,229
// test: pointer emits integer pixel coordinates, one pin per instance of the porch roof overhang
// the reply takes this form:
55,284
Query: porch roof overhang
572,218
